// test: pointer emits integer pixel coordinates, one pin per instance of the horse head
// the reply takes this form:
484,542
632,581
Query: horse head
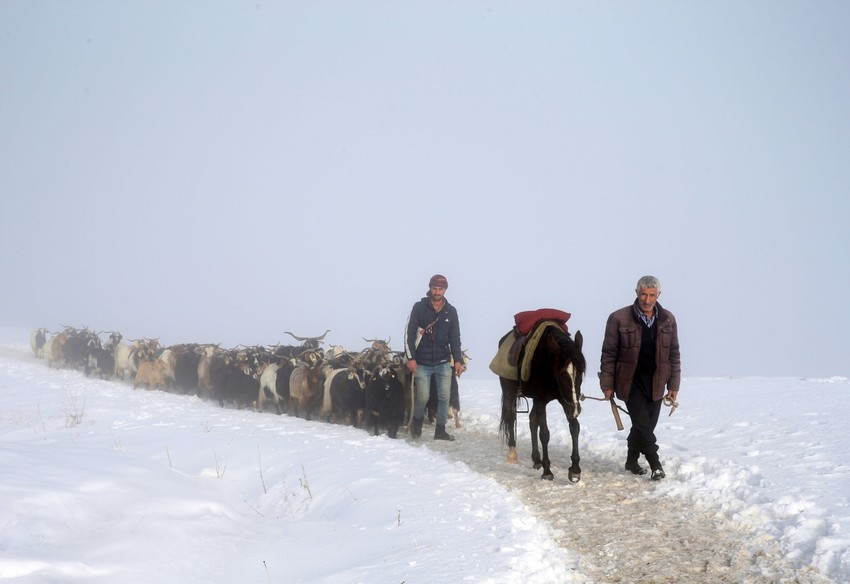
569,368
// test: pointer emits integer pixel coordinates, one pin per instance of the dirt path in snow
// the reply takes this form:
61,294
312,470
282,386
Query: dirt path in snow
621,529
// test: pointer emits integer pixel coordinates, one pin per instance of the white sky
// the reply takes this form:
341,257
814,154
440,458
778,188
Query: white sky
228,171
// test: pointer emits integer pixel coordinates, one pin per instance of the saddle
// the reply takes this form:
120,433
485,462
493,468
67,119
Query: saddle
522,340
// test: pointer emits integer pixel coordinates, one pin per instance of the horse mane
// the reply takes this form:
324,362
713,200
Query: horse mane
570,351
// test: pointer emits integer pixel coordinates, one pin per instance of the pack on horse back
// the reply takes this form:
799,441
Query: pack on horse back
525,331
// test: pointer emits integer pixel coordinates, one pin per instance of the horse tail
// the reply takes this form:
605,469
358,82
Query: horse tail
507,423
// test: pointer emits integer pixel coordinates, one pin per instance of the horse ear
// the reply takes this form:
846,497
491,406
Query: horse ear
579,340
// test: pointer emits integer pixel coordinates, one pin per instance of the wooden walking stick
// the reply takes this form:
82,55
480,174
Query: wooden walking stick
613,408
616,414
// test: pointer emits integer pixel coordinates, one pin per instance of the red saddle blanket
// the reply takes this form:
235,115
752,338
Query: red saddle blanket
528,319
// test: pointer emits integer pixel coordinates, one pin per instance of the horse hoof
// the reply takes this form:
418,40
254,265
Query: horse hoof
574,478
548,476
538,466
512,456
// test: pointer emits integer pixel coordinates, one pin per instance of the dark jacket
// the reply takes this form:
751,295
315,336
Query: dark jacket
440,340
621,349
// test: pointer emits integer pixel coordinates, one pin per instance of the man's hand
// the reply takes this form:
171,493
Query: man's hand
670,400
411,366
609,393
458,369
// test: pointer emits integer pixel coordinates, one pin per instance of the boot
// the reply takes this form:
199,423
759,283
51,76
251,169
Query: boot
632,464
416,430
441,434
635,468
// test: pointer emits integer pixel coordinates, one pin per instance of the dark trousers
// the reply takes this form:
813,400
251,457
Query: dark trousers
644,415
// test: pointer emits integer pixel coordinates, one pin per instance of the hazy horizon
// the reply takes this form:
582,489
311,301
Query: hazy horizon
225,172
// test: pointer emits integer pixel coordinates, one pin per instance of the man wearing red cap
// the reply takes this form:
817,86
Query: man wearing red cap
431,342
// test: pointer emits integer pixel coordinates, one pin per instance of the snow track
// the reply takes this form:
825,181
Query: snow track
621,527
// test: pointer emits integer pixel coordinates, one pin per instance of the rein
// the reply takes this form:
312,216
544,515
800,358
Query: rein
602,399
670,403
667,402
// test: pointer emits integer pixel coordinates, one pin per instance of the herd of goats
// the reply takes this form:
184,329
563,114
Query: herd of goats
370,388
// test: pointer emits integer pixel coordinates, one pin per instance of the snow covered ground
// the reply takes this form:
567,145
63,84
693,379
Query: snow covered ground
101,483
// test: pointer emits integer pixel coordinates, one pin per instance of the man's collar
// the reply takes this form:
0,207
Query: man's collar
647,320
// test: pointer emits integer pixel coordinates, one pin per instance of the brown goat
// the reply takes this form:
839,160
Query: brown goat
151,374
306,385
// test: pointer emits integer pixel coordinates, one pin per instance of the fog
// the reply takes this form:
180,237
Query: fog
228,171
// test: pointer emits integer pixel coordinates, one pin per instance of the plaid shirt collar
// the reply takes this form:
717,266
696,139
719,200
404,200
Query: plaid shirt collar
647,320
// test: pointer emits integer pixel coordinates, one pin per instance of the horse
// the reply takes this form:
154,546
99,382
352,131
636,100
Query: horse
557,369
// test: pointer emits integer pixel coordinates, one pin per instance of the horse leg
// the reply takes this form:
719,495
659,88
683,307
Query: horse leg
512,455
544,444
534,425
574,473
540,427
454,401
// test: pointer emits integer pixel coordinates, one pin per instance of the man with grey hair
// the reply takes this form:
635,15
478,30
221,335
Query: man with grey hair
640,359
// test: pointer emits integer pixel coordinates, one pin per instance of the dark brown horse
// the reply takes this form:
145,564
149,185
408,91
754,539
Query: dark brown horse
556,373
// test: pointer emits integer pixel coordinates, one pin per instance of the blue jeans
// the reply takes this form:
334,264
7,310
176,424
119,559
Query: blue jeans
422,381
